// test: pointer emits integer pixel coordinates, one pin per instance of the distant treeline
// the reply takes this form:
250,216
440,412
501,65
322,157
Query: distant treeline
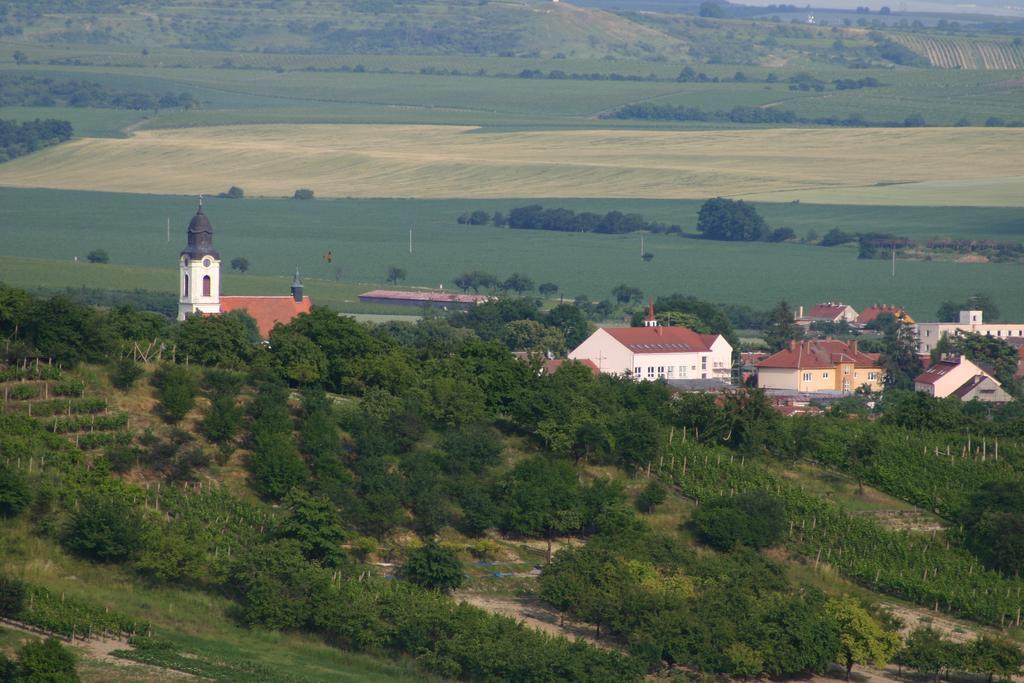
164,303
17,139
741,114
536,217
18,90
880,245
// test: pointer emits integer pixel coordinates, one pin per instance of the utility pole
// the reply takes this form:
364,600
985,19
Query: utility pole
168,229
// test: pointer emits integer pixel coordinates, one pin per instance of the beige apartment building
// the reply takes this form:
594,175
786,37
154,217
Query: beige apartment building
820,365
929,334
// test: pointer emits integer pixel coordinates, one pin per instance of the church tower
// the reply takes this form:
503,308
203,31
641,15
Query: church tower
199,270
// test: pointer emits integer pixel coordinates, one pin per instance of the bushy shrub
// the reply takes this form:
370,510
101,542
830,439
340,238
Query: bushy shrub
756,519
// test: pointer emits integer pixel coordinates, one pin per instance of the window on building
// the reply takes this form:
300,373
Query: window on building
872,376
661,371
206,285
671,371
703,362
927,333
638,372
186,285
824,375
650,372
703,375
807,377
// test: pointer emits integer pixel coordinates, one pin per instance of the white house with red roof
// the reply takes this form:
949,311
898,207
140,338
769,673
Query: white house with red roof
199,284
957,376
655,352
831,312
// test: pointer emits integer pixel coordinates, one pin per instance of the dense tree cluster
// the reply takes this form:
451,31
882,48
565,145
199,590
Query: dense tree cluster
731,220
17,139
536,217
23,90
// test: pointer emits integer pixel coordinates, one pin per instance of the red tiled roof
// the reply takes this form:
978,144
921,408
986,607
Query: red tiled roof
822,353
448,297
826,311
553,366
661,339
872,312
266,310
936,371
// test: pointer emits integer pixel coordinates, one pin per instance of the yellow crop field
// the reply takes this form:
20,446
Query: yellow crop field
916,166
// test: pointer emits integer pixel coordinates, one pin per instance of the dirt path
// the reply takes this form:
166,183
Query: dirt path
533,613
100,649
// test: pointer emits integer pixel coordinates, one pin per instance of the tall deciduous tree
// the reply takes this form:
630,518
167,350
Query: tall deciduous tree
434,568
728,219
863,640
781,328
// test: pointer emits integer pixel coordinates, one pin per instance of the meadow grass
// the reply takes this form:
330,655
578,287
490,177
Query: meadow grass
886,166
195,621
43,229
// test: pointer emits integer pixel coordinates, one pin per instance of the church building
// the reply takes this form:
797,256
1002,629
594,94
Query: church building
199,284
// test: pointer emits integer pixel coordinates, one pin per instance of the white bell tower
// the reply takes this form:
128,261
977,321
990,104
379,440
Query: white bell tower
199,270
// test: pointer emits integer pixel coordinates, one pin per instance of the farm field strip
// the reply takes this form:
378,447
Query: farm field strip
369,236
462,161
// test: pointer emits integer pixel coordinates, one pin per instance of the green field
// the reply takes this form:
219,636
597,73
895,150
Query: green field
45,229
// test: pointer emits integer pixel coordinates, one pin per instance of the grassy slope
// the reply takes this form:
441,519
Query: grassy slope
879,166
367,236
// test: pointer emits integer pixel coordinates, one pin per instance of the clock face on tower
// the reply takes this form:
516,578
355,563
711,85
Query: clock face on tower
206,262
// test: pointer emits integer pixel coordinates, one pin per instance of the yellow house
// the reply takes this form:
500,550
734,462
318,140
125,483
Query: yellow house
820,365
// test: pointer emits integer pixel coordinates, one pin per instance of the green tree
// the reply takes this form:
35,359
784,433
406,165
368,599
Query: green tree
124,372
756,519
221,340
570,320
15,491
433,567
98,256
712,10
652,496
301,360
303,193
240,263
12,596
863,639
540,498
176,390
44,661
518,283
223,421
727,219
991,351
234,192
995,657
899,359
395,274
275,465
625,294
547,289
926,652
744,661
106,527
781,328
530,335
314,523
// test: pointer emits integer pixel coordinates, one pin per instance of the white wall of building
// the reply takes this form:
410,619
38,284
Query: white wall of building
605,352
611,356
190,286
929,334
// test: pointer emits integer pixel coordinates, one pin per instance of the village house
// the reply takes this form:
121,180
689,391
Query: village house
871,313
955,375
823,365
655,352
199,284
929,334
831,312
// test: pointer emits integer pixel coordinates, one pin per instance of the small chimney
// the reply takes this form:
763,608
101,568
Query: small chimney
297,287
801,313
792,344
853,346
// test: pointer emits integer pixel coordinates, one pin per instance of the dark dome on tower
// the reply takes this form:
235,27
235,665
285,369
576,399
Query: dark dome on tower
200,237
